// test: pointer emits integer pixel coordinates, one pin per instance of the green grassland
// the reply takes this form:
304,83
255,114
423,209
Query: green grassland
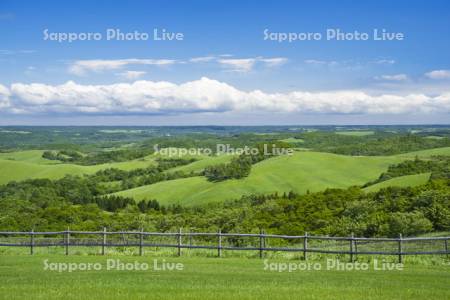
356,133
426,153
313,171
23,277
29,156
30,164
202,163
23,165
303,171
300,172
293,141
402,181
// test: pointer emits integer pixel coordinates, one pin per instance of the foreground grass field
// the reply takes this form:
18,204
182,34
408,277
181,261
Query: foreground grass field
23,277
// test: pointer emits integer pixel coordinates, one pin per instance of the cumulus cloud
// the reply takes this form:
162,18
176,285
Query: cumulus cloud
204,95
438,74
131,75
4,97
81,67
396,77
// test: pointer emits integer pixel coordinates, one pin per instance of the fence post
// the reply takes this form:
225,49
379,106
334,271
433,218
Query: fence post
400,248
67,234
351,247
179,242
104,241
260,243
264,239
219,245
141,241
305,246
32,242
446,247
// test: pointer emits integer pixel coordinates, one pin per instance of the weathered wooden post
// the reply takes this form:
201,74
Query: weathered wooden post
219,245
67,234
104,241
351,247
179,242
446,247
400,248
32,242
305,246
261,243
141,241
264,239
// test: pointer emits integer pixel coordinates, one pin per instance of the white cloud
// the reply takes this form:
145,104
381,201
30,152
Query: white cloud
274,62
247,64
202,59
204,95
384,62
438,74
81,67
238,64
11,52
131,75
4,97
396,77
316,62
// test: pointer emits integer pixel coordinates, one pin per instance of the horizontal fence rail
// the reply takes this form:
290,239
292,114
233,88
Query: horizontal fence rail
219,241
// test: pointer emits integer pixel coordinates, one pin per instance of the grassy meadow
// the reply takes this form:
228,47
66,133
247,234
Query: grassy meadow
402,181
24,277
21,165
303,171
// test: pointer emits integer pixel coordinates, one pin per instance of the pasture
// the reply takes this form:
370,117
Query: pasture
402,181
303,171
24,277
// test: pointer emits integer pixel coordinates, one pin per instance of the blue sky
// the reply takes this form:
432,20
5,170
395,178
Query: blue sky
223,71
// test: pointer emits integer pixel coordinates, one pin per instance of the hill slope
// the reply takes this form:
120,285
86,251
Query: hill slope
300,172
303,171
402,181
23,165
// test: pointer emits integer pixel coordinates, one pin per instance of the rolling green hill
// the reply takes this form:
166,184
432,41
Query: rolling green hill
300,172
426,153
402,181
202,163
30,164
356,132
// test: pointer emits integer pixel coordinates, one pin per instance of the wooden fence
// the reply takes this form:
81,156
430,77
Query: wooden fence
218,241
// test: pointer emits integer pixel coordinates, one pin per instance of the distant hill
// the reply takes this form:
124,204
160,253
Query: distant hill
303,171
